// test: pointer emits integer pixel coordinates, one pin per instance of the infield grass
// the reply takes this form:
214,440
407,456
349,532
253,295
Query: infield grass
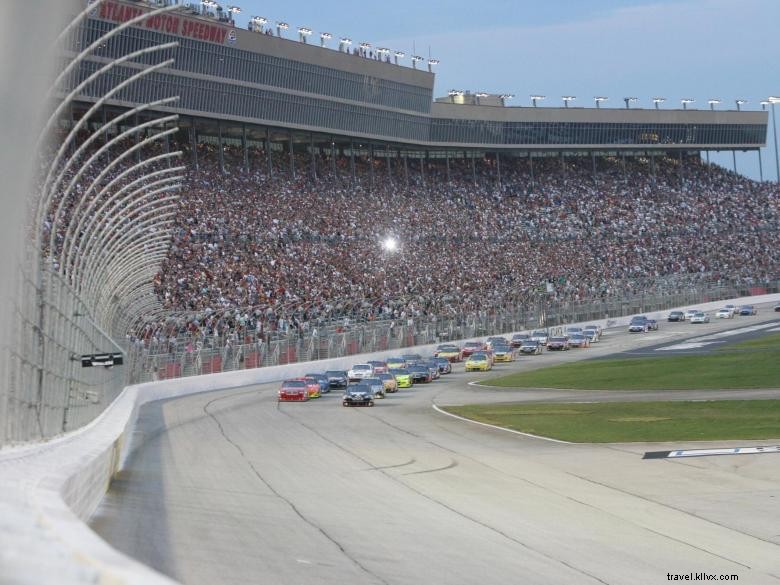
623,422
750,364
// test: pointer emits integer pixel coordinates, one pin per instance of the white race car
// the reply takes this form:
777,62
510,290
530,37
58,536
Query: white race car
724,313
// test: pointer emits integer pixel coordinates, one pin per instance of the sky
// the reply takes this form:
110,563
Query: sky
699,49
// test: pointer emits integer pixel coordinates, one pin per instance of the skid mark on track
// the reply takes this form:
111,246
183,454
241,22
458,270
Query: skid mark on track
411,461
450,466
287,501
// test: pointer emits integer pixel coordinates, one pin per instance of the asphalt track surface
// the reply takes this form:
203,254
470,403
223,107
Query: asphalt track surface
233,488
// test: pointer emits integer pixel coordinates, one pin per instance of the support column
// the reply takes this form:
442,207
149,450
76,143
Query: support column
194,143
352,160
474,169
245,148
422,167
292,155
268,152
406,169
370,168
138,138
682,178
652,164
221,148
447,161
623,164
734,159
387,162
167,146
531,162
333,157
498,169
313,157
760,167
593,164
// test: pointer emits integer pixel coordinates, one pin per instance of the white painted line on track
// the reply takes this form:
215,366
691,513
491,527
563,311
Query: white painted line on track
437,409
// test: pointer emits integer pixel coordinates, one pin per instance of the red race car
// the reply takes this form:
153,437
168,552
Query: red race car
294,391
471,347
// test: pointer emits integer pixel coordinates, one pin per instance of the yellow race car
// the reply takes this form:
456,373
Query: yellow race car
388,379
450,352
402,377
478,362
503,353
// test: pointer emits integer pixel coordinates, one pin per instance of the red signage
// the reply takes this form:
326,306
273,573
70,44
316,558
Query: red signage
174,24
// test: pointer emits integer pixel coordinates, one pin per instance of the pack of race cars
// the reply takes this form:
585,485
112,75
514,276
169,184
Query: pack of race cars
365,383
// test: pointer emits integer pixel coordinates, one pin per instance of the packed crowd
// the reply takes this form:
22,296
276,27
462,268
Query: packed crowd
282,252
264,250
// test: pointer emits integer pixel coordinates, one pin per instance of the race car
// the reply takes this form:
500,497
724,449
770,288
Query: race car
745,310
313,386
445,367
360,371
496,340
503,353
323,380
724,313
420,373
777,308
691,312
478,362
592,335
518,339
395,363
412,358
293,391
449,352
540,335
433,367
639,324
700,317
471,347
377,386
402,376
358,395
531,347
579,341
379,366
337,378
558,343
388,379
676,316
597,329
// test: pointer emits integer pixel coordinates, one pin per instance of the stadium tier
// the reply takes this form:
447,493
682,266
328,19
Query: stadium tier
300,160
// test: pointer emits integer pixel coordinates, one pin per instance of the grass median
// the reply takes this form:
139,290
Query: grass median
622,422
750,364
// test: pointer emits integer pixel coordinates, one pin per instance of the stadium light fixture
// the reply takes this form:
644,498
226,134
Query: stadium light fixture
280,26
774,100
398,55
629,100
365,46
740,103
431,63
713,102
506,96
303,32
567,98
234,9
657,101
257,23
686,101
598,99
764,104
415,60
325,36
344,44
537,98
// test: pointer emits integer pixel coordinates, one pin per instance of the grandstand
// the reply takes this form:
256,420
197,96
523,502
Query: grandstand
299,159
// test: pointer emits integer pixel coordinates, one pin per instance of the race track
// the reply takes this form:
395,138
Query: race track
233,488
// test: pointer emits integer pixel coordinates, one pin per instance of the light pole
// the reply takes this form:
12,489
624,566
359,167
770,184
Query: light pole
629,100
536,98
481,94
740,103
657,101
415,60
344,44
764,104
713,102
431,63
303,32
324,37
398,55
685,102
506,96
775,100
599,99
567,98
280,26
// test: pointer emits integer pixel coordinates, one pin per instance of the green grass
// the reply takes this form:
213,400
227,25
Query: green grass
622,422
755,364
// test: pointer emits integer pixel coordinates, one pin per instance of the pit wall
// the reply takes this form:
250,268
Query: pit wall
49,490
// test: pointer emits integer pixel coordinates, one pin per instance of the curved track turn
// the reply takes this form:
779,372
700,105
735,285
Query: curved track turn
232,487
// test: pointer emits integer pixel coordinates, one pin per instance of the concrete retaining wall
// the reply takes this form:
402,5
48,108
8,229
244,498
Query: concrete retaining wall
48,490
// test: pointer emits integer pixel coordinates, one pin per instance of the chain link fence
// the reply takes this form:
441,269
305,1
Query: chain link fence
177,357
